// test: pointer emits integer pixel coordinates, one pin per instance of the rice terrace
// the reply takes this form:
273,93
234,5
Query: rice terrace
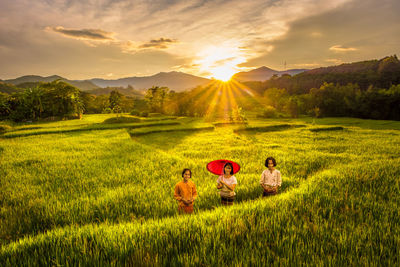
93,193
200,133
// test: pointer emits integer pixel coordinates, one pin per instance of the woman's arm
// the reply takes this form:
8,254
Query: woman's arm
177,194
230,187
194,193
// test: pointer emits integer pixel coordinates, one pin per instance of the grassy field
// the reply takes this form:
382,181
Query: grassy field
90,192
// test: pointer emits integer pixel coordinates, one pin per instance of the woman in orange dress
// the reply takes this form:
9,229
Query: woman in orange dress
185,192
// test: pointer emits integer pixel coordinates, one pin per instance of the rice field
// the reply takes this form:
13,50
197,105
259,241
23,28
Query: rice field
88,192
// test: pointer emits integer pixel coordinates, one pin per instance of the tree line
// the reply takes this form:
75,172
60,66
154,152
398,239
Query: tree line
278,97
60,100
335,100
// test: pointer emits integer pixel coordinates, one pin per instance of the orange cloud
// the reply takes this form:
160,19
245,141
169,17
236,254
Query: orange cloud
85,34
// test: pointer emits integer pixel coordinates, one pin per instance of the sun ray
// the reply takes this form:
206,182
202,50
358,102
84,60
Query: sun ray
210,113
205,94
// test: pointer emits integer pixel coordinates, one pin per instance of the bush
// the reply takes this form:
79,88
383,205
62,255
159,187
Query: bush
107,111
155,114
144,114
121,120
72,116
237,115
270,112
135,112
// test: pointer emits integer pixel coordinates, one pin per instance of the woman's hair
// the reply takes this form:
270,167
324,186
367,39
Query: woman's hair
228,164
268,159
184,170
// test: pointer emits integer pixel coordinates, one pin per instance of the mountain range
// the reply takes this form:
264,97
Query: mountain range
177,81
28,80
263,73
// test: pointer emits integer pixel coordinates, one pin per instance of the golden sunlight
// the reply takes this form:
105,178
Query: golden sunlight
220,62
223,73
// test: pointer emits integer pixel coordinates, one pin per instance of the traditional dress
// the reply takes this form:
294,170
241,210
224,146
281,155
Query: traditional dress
270,180
227,195
185,191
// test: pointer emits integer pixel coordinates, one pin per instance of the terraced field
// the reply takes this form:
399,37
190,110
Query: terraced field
100,191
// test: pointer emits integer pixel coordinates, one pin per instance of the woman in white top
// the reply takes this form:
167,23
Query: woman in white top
227,183
270,178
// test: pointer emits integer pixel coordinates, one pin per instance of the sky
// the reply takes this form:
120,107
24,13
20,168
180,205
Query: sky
112,39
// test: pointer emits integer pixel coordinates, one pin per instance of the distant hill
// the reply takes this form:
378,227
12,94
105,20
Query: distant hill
32,80
377,73
177,81
262,74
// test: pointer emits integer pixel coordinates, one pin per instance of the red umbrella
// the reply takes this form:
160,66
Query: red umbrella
217,166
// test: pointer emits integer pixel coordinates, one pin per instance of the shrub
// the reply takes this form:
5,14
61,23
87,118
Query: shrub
144,114
155,114
121,119
107,111
270,112
135,112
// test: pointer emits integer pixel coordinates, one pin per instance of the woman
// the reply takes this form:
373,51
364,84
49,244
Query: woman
227,183
270,179
185,192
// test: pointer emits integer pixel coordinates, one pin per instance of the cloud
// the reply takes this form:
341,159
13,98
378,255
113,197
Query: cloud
266,32
340,48
91,36
161,43
335,61
85,34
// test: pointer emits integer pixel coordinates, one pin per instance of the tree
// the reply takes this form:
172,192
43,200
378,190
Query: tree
61,99
5,108
274,97
156,97
115,99
33,98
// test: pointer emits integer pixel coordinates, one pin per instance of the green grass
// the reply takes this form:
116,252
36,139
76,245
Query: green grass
101,197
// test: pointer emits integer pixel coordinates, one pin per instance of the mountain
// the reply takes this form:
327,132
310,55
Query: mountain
32,80
386,64
382,73
177,81
262,74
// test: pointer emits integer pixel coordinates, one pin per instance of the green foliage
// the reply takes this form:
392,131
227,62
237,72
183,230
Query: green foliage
55,99
115,100
6,88
144,114
275,97
156,97
237,115
269,112
107,111
135,112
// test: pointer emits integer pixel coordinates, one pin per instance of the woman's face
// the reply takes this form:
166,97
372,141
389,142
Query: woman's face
270,165
228,169
186,175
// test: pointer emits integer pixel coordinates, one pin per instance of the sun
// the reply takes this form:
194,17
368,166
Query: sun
219,61
223,73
